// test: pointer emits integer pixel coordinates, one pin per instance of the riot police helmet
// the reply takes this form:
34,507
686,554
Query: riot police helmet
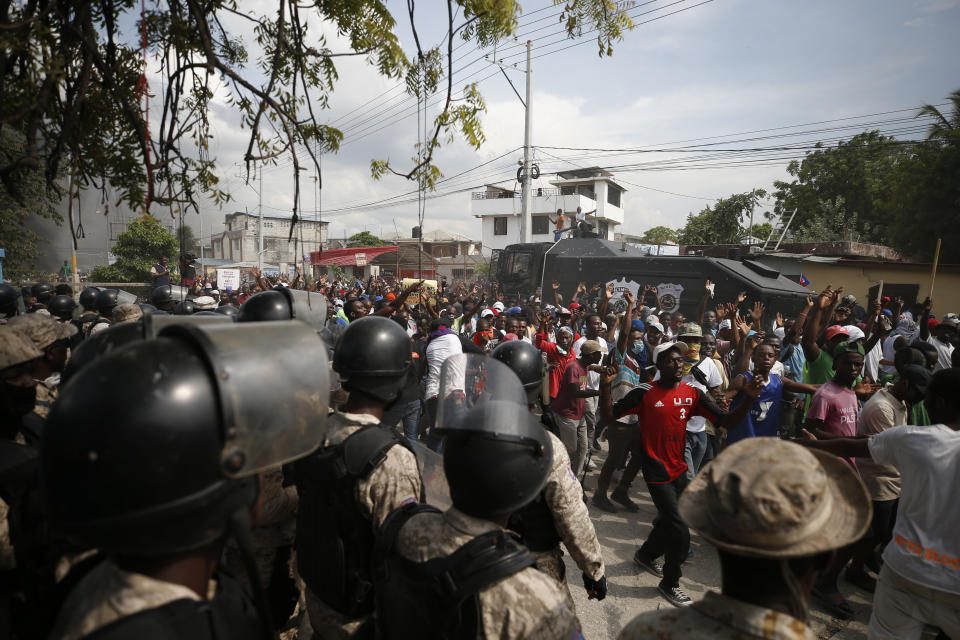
61,307
266,306
88,298
106,301
525,360
206,312
185,308
197,429
496,458
146,307
227,310
43,291
373,356
8,300
162,297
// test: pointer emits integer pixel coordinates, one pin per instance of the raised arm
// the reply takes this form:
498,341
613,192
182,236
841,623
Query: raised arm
811,329
625,323
925,319
707,294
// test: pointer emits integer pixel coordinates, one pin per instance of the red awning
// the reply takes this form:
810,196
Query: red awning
349,257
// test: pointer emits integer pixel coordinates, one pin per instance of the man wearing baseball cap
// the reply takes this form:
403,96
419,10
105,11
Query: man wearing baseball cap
775,511
819,365
663,408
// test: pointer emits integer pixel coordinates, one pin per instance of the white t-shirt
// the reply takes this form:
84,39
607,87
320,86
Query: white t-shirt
696,424
871,364
944,353
888,353
438,351
593,378
925,548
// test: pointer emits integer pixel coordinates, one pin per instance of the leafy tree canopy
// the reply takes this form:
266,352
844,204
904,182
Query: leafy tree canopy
722,223
143,243
73,87
660,235
364,239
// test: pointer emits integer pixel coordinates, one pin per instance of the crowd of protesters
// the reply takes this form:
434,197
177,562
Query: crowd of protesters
811,447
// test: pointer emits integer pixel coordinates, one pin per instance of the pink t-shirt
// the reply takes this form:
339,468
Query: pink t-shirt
838,408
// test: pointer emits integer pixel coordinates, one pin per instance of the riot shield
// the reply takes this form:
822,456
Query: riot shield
307,306
434,479
273,389
468,380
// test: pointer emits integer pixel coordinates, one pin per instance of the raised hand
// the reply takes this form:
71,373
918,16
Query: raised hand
609,375
628,296
825,299
556,286
809,301
779,319
609,290
757,312
721,312
741,297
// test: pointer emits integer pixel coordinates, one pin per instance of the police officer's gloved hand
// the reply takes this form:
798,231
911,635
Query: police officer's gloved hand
596,589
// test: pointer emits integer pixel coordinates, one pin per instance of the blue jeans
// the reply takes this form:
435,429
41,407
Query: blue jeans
693,452
407,413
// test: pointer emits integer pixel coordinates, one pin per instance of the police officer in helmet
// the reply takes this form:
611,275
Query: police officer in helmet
558,514
459,573
347,488
162,298
106,300
160,502
8,302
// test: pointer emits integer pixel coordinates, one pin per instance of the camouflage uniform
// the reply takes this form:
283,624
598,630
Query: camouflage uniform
392,484
528,604
564,497
46,395
109,593
717,617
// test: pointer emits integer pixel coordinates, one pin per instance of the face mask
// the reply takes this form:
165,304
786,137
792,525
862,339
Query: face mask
638,348
690,360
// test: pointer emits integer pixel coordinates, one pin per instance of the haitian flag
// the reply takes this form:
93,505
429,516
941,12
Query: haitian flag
803,281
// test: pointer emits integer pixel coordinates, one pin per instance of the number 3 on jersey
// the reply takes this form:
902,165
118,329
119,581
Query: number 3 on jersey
683,413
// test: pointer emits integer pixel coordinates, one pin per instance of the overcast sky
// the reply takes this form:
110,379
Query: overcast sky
707,73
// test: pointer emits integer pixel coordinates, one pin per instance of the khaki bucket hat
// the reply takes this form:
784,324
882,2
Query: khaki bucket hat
16,347
43,330
769,498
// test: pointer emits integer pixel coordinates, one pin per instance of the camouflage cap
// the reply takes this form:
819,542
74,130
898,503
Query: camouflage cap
16,347
43,330
690,330
127,312
769,498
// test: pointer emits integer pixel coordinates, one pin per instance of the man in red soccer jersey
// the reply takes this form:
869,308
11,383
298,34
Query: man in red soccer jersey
663,408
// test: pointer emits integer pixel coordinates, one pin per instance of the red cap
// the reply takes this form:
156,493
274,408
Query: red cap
574,306
835,330
932,322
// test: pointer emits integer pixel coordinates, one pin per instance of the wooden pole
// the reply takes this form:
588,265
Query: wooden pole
933,274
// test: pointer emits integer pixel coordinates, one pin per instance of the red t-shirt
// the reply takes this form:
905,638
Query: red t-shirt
566,404
663,415
556,360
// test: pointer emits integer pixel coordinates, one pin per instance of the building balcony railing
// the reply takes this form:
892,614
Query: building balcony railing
538,192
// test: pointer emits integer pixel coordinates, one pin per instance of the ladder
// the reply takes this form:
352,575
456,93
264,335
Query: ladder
782,229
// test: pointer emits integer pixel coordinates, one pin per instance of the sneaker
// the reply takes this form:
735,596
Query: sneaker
675,596
654,566
601,501
623,499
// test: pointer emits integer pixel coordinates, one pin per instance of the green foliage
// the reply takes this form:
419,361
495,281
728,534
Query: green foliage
364,239
761,231
722,223
143,243
828,222
36,199
660,235
860,171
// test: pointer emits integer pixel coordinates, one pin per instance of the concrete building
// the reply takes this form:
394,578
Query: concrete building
439,244
393,262
239,241
593,190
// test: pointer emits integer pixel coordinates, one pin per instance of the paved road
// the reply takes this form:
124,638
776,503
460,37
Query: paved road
631,592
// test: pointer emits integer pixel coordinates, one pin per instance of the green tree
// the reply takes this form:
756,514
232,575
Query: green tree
722,223
660,235
143,243
72,86
829,222
861,171
761,231
364,239
37,199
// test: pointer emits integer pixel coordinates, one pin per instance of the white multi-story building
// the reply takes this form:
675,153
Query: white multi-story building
593,190
239,242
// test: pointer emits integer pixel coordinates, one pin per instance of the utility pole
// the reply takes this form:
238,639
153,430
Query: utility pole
260,224
526,222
